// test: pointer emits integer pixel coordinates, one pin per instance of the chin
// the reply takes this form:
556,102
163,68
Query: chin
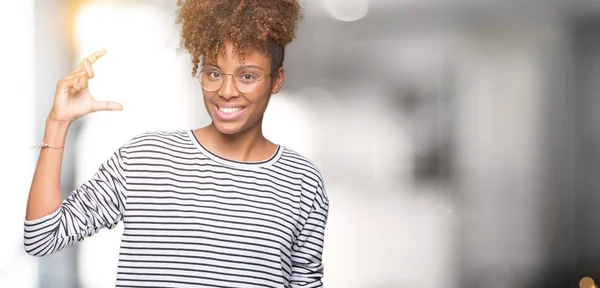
229,128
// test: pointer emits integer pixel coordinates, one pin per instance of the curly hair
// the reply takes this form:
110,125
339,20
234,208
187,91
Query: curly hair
265,25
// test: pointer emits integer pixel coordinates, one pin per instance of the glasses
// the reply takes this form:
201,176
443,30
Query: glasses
245,79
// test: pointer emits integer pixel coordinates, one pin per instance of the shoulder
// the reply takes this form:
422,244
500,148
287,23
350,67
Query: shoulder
157,136
175,139
312,178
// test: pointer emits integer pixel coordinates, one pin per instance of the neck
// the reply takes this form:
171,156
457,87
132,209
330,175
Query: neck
249,145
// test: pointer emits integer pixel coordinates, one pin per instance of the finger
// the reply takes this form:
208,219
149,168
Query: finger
86,66
84,82
106,106
96,55
76,74
77,84
80,82
75,81
66,83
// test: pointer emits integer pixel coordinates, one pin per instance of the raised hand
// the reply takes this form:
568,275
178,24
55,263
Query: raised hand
73,98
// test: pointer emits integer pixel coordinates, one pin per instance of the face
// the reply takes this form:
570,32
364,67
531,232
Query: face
239,103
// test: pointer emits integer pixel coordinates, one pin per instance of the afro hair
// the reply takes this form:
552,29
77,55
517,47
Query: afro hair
264,25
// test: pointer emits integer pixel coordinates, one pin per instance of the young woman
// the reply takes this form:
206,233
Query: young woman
219,206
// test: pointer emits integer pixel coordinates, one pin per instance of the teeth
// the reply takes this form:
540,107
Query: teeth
230,110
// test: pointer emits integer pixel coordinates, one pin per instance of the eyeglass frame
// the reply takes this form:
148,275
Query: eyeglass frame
232,79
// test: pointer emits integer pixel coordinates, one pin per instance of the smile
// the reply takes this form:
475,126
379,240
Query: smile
231,110
229,113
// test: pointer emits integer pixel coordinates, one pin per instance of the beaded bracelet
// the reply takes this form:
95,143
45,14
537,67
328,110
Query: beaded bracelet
46,145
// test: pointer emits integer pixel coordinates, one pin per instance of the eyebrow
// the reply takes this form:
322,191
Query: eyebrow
245,66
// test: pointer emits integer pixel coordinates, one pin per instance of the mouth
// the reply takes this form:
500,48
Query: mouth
229,113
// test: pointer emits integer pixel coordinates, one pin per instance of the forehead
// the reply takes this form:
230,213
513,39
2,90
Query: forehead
227,57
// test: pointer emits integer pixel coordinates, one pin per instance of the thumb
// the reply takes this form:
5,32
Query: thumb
106,106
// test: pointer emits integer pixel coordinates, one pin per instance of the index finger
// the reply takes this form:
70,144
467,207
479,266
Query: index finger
96,55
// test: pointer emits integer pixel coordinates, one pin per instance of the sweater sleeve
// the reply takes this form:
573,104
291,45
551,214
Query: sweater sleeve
98,203
307,266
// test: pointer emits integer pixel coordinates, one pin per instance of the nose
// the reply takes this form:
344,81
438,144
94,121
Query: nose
228,89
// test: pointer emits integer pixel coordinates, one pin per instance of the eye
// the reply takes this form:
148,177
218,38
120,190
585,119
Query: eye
213,74
248,77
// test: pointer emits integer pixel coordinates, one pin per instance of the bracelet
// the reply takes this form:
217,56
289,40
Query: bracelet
46,145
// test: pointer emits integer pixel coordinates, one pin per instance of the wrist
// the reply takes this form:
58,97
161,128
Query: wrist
56,131
53,117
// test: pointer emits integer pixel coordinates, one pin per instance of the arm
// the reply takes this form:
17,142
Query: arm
44,195
307,266
96,204
48,224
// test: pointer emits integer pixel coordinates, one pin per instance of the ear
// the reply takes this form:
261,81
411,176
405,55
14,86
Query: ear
278,78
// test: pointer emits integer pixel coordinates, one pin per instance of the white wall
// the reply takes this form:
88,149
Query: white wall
17,125
143,71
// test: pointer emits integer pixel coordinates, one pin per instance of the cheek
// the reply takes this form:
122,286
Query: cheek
259,103
207,96
208,99
261,97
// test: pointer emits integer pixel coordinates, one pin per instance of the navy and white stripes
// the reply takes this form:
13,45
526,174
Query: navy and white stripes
194,219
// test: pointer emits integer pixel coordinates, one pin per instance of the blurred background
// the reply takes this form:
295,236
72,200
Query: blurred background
459,139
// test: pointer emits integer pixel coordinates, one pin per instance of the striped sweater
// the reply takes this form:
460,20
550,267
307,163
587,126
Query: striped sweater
194,219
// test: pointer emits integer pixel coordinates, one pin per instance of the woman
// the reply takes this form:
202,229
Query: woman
219,206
